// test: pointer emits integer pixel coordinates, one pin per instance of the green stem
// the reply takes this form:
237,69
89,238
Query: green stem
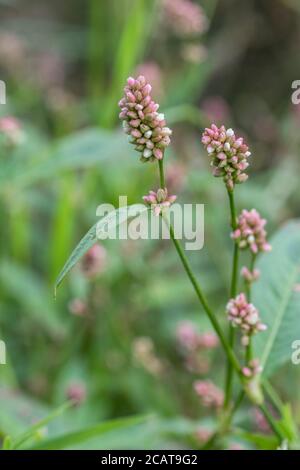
161,174
212,440
233,292
231,357
275,428
248,285
229,352
274,397
249,349
249,354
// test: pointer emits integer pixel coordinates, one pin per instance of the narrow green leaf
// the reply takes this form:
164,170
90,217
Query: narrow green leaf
105,225
72,439
18,441
262,441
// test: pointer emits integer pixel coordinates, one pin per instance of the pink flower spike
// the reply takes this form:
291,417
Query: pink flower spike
141,120
211,396
251,232
222,145
245,316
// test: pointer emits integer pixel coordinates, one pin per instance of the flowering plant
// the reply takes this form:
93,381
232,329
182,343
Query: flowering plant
229,157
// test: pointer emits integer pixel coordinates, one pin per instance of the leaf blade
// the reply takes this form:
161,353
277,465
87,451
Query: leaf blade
112,220
277,298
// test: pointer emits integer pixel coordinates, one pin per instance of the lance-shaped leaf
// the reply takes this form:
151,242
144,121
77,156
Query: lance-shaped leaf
277,296
105,226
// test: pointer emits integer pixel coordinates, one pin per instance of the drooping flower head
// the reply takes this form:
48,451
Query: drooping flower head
229,154
245,316
211,396
184,17
141,121
159,200
250,232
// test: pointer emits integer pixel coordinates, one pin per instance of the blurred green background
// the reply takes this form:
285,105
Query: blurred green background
112,335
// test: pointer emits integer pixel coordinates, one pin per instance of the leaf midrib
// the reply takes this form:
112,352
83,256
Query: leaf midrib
278,319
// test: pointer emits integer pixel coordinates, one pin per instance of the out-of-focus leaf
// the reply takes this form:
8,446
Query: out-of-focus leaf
31,432
287,423
68,440
81,150
19,411
28,290
112,220
262,441
277,296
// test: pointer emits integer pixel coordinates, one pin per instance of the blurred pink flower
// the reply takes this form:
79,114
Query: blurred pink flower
184,17
11,130
208,340
76,392
94,261
153,74
159,200
228,153
210,395
175,176
250,232
78,307
50,69
202,434
12,51
141,121
261,421
187,336
235,446
215,109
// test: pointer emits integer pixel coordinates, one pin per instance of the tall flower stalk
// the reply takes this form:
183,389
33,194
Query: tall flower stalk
229,155
233,291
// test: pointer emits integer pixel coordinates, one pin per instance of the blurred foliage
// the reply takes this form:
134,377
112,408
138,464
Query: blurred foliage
65,66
